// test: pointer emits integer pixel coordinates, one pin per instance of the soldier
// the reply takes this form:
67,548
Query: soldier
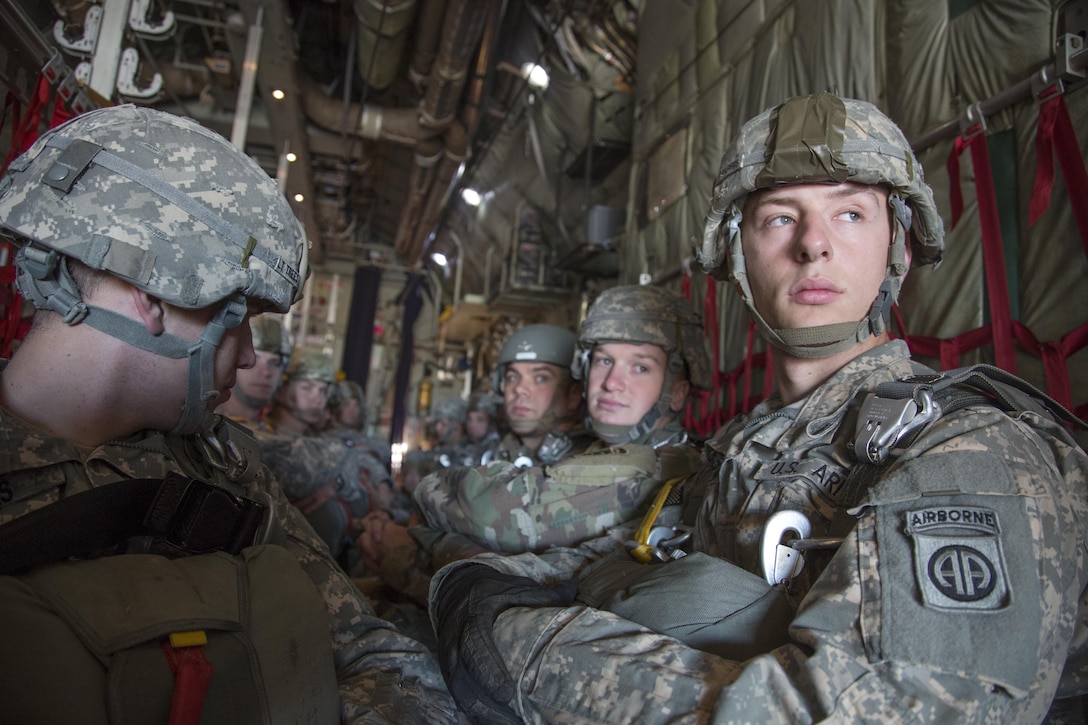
640,350
330,481
348,406
141,535
481,434
541,401
444,430
944,563
255,387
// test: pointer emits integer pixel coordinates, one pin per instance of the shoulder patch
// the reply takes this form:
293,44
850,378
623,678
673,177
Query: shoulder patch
958,559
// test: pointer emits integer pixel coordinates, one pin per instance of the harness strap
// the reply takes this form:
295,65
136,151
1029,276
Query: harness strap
192,675
189,515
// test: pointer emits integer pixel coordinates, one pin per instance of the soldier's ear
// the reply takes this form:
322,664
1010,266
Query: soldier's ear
679,396
151,309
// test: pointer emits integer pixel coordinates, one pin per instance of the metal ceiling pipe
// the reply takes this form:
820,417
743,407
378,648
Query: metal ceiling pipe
456,153
428,30
420,181
383,31
464,23
398,125
470,112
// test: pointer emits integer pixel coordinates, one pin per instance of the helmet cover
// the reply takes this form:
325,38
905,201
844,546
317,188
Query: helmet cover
161,202
643,314
821,139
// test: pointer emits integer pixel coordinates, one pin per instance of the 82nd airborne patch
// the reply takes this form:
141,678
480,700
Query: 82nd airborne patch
958,561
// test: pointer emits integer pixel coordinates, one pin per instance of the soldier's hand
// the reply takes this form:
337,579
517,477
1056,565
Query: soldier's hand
465,608
310,503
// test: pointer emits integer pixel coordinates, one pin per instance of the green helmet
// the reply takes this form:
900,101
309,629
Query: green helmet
822,138
169,207
639,314
544,343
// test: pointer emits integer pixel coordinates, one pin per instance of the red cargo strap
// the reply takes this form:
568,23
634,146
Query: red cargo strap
993,253
1056,133
24,131
192,676
1054,355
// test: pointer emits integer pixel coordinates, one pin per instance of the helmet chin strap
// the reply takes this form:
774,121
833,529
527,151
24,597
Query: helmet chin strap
44,279
826,340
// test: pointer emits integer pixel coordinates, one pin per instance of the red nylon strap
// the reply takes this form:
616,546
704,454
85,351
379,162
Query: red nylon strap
955,192
949,350
24,133
1044,153
1054,355
1056,129
192,676
993,253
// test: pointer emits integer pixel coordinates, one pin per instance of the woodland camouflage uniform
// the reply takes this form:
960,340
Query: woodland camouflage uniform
504,507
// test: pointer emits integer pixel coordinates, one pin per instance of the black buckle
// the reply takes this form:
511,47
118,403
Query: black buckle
199,518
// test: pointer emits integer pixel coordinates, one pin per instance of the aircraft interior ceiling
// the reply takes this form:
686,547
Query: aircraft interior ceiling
416,139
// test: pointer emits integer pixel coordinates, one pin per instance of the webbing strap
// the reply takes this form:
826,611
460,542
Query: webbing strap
1056,133
192,675
993,256
191,516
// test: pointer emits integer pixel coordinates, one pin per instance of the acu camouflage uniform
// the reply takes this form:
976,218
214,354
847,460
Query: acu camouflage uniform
885,629
958,590
118,189
380,672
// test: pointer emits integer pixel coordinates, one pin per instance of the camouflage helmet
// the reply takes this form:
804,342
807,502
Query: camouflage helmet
350,390
450,409
311,366
646,314
484,402
161,202
543,343
270,335
169,207
822,138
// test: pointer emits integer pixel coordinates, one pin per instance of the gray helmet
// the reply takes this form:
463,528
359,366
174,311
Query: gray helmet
645,315
822,138
544,343
164,204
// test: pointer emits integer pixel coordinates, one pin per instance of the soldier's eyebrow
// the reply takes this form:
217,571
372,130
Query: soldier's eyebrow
848,189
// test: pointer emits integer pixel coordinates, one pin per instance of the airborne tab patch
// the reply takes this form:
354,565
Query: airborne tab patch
958,561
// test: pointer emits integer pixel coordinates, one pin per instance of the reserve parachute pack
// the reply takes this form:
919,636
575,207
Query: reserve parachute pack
220,624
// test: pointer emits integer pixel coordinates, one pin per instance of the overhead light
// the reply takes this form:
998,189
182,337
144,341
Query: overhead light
535,75
299,197
470,196
278,94
439,259
291,156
